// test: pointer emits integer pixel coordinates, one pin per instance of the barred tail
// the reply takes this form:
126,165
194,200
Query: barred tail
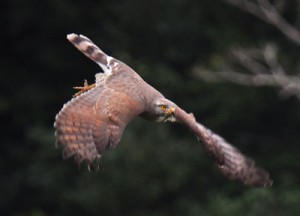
88,48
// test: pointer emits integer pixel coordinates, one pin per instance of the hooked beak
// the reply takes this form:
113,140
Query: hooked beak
170,111
170,115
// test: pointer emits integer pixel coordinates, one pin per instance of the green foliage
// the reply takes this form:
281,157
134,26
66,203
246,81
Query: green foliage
157,169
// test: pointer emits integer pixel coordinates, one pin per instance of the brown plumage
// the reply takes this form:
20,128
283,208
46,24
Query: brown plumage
96,119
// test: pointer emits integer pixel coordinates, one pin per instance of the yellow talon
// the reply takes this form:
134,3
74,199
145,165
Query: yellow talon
83,88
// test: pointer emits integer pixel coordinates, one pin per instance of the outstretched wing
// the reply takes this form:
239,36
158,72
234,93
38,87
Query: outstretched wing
96,119
229,160
93,121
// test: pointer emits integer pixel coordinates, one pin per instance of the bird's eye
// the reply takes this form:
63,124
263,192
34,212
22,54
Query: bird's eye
163,107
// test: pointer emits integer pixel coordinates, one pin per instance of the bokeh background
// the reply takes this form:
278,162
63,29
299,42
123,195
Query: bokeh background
157,169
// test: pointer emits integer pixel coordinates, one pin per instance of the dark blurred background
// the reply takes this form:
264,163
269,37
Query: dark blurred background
157,169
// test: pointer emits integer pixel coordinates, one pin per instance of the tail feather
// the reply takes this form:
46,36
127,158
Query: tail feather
88,48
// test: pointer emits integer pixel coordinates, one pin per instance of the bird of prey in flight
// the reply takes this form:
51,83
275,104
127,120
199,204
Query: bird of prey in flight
96,117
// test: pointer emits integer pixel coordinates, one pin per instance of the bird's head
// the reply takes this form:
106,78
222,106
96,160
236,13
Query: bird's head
164,110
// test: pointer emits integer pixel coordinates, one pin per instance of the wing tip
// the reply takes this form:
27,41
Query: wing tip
268,183
262,179
265,181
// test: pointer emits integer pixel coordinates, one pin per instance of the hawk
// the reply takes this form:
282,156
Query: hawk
96,117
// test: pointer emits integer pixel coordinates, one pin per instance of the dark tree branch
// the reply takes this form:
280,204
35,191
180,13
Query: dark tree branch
265,11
